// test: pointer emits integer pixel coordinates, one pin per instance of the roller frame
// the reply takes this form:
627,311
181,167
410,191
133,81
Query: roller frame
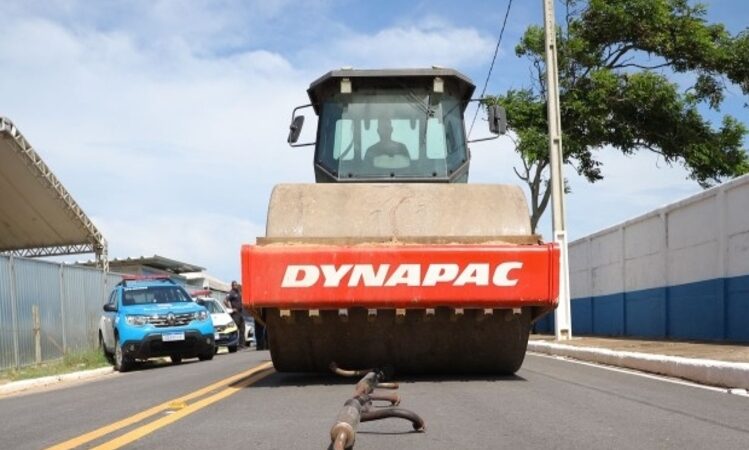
264,269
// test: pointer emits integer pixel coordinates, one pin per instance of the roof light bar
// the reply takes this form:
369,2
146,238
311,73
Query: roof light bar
145,277
133,278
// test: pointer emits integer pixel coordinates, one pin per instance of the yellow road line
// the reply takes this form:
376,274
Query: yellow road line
149,428
105,430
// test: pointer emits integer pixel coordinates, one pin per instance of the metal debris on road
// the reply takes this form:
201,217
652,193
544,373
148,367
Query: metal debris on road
360,408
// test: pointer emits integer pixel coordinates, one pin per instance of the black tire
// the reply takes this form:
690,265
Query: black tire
176,359
206,357
107,355
121,362
232,348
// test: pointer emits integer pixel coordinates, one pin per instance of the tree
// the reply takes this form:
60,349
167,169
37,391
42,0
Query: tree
615,57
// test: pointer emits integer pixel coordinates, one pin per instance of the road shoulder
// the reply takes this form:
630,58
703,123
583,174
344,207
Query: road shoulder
713,372
15,387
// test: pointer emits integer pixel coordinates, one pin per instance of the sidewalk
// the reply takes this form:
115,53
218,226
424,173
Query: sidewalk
713,364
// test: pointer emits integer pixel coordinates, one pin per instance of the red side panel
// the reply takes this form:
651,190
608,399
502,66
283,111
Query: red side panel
412,276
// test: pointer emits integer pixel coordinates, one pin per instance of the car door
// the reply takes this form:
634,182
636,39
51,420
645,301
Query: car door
107,321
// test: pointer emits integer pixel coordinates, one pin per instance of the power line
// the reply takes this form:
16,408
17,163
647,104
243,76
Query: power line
491,67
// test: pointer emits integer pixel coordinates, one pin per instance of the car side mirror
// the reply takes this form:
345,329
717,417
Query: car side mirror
295,129
110,308
497,119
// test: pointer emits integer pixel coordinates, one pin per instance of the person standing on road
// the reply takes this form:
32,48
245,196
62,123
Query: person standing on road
261,338
234,301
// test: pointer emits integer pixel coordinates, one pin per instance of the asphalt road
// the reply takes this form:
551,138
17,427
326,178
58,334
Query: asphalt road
549,404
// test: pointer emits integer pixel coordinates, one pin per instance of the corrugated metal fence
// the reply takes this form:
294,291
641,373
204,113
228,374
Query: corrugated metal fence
48,309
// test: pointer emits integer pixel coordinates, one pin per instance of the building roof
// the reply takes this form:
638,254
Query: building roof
156,262
207,281
38,217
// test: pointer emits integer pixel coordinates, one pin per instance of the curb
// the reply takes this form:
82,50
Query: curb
23,385
703,371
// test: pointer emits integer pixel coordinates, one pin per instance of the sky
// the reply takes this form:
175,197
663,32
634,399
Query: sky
167,120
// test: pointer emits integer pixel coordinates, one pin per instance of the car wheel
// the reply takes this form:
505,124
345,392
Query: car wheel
121,362
176,359
232,348
107,355
206,357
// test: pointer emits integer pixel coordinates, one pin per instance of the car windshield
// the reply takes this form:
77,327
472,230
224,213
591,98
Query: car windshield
212,306
405,133
143,295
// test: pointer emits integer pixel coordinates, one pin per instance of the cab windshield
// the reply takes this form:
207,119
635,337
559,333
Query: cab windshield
404,133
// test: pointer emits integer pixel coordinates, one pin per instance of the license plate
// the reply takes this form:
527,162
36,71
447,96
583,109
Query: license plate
216,336
171,337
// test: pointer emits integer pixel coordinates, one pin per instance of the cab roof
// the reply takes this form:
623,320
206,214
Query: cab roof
460,85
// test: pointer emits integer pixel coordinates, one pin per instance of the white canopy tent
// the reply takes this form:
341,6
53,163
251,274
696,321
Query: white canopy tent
38,217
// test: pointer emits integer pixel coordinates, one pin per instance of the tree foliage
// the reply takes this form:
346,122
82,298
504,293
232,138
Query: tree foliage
615,58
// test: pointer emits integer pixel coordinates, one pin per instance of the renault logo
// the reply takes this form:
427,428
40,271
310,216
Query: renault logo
170,319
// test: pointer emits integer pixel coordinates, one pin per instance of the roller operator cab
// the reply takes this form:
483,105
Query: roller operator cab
391,258
391,125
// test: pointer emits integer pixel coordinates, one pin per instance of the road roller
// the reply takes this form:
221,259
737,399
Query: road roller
391,258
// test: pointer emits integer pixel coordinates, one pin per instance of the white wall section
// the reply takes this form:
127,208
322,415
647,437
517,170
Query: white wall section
703,237
681,271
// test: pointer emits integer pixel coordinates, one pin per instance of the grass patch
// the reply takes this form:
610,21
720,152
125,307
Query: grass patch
72,362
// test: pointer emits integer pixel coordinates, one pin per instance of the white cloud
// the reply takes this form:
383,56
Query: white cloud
206,239
141,134
204,25
431,42
168,126
632,185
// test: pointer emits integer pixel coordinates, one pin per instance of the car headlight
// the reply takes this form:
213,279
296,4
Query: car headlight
231,327
200,315
137,321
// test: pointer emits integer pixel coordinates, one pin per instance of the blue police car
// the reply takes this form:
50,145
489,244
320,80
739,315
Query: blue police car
149,317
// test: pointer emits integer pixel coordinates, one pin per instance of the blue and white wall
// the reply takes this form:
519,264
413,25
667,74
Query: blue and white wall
680,272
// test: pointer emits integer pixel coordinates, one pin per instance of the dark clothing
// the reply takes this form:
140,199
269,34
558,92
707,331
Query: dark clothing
235,301
239,320
387,148
261,341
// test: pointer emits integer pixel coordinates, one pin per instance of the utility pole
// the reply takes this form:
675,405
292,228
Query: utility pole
562,315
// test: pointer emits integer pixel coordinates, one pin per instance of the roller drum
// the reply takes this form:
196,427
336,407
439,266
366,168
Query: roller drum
443,342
